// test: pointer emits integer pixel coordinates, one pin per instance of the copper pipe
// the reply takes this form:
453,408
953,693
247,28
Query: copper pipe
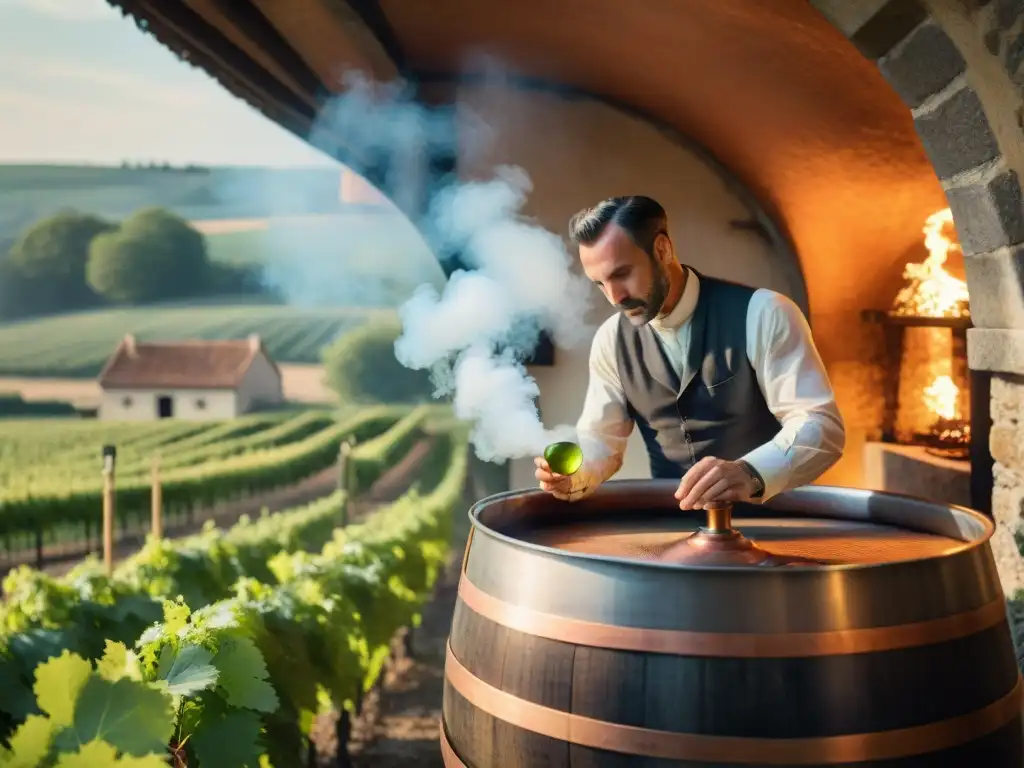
719,516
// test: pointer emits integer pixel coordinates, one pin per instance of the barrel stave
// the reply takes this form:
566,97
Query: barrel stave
744,698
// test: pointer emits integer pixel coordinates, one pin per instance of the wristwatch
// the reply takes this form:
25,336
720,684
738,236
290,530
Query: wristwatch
755,476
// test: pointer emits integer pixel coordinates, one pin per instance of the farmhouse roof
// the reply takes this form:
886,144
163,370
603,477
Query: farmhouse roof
190,364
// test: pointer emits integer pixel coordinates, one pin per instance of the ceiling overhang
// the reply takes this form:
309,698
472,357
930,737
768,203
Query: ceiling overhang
773,90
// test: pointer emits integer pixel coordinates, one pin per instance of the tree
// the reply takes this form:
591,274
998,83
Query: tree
360,366
154,256
47,264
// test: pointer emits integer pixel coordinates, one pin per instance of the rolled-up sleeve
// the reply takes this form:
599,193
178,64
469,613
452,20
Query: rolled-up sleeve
604,425
797,390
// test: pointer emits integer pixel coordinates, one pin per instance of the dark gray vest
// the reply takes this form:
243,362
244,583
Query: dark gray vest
717,409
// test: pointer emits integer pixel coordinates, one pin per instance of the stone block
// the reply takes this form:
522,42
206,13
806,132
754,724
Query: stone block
999,350
889,24
1014,54
956,134
923,64
988,215
1007,12
1007,407
1007,509
996,284
1006,446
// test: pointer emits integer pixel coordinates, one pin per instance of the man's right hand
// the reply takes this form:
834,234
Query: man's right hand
551,482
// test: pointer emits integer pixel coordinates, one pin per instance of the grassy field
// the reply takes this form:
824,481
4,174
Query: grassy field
77,345
333,270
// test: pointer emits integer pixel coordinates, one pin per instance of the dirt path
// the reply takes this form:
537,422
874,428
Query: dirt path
399,726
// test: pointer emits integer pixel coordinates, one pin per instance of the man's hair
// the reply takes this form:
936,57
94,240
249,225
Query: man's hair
642,218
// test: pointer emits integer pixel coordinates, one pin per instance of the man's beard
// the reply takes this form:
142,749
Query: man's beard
652,304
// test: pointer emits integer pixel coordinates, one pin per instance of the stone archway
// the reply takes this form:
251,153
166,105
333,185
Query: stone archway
959,67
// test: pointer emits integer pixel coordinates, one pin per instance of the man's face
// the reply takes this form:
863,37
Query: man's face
630,279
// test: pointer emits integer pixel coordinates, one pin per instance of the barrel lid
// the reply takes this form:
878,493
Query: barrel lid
817,527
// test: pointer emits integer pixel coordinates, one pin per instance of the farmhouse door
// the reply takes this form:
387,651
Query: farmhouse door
165,406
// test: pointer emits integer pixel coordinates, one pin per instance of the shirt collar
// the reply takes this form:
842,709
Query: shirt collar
684,308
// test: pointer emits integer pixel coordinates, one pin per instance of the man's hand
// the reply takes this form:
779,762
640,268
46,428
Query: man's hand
712,479
550,481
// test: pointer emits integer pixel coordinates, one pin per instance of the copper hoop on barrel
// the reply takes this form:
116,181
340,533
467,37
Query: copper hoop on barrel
646,742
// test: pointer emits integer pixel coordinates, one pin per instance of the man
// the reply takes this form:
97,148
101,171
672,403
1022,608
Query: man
722,380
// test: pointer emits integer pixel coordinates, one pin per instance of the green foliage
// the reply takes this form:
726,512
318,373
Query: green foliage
238,680
107,713
70,494
370,459
78,345
361,367
45,269
154,256
13,404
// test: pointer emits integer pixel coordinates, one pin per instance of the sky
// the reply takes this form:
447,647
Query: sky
79,83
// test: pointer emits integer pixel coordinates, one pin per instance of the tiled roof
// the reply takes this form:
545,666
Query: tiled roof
179,365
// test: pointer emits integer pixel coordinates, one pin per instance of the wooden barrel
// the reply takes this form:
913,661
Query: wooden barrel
562,658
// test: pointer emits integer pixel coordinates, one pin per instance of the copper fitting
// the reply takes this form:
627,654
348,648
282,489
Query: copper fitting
719,517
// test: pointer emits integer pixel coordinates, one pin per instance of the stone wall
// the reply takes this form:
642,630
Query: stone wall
959,67
1007,443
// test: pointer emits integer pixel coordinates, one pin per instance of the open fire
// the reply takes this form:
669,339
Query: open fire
932,292
950,434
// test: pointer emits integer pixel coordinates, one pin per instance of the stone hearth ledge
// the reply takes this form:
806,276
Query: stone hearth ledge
1000,350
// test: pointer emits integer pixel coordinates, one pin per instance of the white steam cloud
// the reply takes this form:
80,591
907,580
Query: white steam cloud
473,333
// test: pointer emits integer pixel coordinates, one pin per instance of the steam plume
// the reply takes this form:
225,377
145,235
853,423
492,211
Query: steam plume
474,334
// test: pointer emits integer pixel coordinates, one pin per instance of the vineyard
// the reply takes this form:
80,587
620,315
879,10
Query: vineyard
221,649
51,481
78,344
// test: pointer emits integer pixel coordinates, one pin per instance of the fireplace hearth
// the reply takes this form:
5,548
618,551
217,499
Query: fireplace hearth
935,415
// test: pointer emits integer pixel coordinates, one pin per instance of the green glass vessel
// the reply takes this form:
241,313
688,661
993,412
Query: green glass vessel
564,458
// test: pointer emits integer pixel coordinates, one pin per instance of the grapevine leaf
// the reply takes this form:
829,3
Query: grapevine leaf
59,682
118,662
175,617
30,743
147,761
92,754
31,648
99,753
190,672
243,675
134,717
228,740
15,695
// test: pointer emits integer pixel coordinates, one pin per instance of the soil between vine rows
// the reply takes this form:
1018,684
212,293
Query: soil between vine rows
399,723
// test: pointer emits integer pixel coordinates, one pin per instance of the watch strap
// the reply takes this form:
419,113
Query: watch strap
755,476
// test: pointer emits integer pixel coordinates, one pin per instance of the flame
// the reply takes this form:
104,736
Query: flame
941,396
931,291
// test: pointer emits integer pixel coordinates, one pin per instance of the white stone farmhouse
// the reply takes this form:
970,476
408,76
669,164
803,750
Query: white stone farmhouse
192,380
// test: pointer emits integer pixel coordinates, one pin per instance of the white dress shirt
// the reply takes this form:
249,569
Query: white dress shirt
789,372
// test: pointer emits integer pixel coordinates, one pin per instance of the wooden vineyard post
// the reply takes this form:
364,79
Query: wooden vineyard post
109,460
157,522
343,470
